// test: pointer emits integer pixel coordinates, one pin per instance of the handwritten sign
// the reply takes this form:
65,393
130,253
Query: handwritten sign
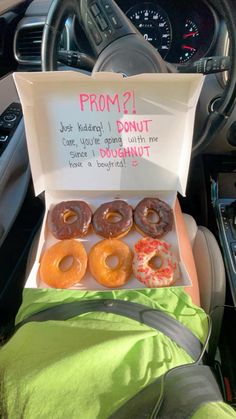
107,102
88,134
110,143
104,140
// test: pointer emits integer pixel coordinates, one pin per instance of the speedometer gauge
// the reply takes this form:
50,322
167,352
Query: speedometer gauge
190,41
153,23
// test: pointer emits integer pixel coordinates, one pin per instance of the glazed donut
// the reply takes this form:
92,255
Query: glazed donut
50,270
69,219
163,213
111,277
105,223
146,272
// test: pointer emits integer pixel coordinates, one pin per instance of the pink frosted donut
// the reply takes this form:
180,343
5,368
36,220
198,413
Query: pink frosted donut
165,273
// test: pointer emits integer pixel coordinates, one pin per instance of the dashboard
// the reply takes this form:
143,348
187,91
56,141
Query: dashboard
181,31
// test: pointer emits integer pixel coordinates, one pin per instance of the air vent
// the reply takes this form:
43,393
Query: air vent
28,44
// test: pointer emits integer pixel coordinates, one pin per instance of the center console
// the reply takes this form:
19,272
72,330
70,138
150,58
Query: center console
224,202
221,172
226,220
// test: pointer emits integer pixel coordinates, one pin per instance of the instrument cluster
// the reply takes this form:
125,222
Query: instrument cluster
181,31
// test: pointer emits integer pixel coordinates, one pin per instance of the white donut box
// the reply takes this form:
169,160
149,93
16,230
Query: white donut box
101,137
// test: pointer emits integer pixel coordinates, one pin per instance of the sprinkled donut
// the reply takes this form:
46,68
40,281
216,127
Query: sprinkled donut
113,219
106,275
69,220
144,269
51,270
161,212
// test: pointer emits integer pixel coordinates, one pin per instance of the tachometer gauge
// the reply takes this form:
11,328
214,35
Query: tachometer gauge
153,23
190,41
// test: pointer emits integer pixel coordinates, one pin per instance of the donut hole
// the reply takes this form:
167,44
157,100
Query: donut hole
112,261
153,217
69,217
66,263
113,217
155,262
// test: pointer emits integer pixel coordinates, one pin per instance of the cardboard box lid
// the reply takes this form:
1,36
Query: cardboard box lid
106,132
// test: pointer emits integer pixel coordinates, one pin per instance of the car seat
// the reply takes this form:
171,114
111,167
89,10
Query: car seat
211,276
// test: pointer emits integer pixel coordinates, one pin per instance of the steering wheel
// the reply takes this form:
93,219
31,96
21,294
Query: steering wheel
119,47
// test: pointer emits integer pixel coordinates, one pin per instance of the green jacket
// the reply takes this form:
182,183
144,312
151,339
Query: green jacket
88,366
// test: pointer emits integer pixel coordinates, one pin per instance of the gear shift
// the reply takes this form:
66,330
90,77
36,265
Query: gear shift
231,213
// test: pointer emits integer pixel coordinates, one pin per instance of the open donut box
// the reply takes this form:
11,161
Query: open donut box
101,137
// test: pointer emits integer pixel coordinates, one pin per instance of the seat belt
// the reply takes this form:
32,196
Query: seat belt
154,318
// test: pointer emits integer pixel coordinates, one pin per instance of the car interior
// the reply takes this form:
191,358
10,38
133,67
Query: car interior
160,36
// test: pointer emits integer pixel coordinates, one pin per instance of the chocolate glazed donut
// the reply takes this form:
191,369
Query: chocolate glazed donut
69,219
113,219
162,213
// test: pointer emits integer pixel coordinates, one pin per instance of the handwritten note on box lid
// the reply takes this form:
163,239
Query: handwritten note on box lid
107,132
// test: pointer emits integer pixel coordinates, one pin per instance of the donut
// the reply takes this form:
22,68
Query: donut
51,270
111,277
113,219
162,212
165,273
69,220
